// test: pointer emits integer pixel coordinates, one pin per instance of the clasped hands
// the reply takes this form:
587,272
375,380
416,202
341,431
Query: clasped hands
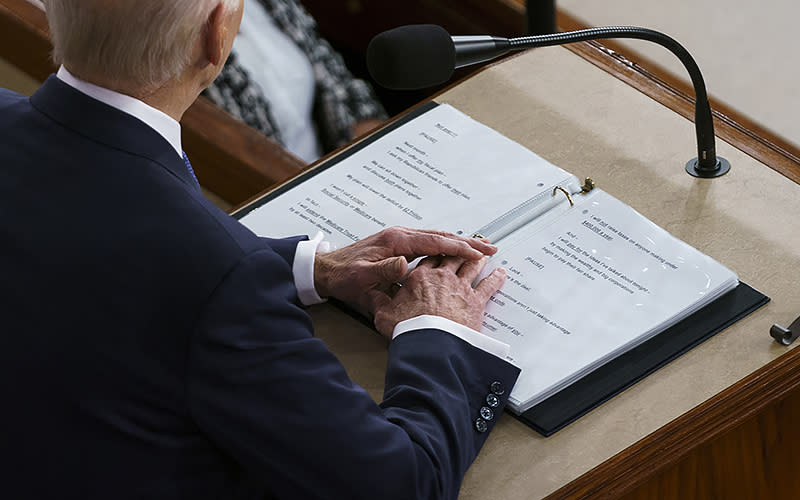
363,274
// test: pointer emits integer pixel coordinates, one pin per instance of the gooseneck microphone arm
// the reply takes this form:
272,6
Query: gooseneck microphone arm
707,164
417,56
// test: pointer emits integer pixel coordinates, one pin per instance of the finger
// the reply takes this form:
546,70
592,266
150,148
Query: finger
490,284
375,300
482,244
472,268
430,261
417,242
382,320
452,263
433,244
391,270
461,246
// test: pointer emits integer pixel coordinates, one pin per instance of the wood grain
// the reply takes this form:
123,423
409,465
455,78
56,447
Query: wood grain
729,428
753,461
24,38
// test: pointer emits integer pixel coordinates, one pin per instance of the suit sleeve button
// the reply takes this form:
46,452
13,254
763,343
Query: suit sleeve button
481,425
492,400
497,388
486,413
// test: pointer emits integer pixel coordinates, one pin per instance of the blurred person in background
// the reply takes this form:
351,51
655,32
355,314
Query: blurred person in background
288,83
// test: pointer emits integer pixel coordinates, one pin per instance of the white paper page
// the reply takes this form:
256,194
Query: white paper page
442,170
587,283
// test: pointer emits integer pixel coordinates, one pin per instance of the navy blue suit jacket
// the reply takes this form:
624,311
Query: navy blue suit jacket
152,347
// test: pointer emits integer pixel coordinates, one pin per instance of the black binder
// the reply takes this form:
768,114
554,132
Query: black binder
602,384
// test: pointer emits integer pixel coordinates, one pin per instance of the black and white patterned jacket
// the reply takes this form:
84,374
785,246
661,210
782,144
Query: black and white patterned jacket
340,99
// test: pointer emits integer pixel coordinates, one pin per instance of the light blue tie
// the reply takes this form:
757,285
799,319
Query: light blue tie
189,166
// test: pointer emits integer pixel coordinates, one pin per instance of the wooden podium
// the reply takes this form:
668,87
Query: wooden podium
718,422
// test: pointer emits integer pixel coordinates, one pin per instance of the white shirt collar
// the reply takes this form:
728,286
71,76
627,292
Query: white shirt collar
157,120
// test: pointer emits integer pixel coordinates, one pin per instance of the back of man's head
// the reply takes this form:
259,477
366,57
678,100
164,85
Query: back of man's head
136,43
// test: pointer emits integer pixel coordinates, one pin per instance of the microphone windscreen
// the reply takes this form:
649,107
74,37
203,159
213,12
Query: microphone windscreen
412,57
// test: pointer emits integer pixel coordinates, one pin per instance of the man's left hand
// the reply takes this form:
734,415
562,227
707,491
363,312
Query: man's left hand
356,273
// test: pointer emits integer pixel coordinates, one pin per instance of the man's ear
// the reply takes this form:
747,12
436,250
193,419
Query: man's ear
216,34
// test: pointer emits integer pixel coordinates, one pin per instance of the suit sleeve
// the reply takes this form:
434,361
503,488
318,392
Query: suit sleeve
277,401
284,247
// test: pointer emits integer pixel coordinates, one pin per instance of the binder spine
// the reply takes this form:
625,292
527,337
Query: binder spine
527,211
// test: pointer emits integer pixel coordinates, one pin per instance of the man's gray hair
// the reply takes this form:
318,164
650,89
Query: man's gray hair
136,42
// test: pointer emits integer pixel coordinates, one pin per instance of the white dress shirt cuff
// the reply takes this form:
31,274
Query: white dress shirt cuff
303,269
476,339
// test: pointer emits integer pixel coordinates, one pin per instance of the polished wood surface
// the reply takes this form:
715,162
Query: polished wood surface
741,440
24,38
755,460
230,159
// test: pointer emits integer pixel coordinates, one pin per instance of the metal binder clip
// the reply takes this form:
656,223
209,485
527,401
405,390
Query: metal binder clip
785,336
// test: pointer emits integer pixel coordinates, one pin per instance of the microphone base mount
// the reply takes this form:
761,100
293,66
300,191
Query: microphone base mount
721,168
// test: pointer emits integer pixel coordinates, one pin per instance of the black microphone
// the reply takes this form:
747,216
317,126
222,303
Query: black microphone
423,55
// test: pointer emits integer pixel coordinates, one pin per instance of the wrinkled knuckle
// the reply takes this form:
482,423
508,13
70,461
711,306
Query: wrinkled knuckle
414,277
389,236
442,274
393,232
383,324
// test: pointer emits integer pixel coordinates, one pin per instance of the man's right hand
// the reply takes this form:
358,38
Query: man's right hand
440,286
360,273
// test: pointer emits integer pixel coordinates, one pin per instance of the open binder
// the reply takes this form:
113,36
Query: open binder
564,399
